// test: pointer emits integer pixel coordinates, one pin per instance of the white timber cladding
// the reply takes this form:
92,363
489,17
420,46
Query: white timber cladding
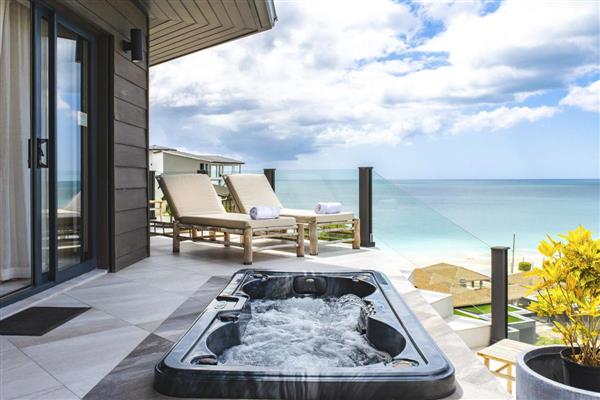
156,162
173,164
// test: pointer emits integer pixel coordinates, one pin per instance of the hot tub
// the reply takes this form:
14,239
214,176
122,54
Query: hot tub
339,335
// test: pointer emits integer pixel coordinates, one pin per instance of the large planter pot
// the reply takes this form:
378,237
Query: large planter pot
540,376
580,376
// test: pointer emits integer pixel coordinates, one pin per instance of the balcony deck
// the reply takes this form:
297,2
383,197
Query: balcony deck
136,315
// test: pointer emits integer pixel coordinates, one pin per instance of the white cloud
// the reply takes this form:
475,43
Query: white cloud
586,98
356,72
522,48
500,118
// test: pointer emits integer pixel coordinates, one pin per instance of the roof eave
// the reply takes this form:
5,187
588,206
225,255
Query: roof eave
183,31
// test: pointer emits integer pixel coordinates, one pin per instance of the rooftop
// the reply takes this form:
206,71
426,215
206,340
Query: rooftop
208,158
150,304
447,273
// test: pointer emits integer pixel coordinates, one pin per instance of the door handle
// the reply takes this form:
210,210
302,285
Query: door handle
28,153
42,153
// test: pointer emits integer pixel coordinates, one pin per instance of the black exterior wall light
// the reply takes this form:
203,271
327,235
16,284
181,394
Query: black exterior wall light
135,45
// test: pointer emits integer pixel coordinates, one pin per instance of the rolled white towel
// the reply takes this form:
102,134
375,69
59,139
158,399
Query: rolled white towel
264,212
328,208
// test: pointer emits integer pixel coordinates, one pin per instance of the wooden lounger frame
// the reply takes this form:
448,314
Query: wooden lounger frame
247,236
315,227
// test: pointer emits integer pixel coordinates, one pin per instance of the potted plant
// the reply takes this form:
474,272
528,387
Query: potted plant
568,294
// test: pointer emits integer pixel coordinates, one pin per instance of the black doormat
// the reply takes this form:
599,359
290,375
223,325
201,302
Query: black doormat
37,321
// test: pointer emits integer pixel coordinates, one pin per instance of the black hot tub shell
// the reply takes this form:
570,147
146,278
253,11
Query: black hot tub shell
418,370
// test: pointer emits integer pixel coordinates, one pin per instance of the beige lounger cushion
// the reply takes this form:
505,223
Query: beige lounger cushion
251,190
237,221
308,216
191,194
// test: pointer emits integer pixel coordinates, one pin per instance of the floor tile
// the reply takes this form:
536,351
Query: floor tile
132,379
130,301
81,362
180,321
5,345
21,376
168,279
53,394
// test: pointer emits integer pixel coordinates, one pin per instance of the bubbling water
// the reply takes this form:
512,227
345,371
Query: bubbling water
306,333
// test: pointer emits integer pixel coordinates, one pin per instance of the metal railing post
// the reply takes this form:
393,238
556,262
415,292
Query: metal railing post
499,329
365,205
270,174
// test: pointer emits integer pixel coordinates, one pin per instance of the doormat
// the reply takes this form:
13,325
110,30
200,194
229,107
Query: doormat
37,321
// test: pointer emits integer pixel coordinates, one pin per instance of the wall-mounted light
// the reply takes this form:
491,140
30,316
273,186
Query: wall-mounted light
135,46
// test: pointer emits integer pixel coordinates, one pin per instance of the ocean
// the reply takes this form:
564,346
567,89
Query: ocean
65,191
428,221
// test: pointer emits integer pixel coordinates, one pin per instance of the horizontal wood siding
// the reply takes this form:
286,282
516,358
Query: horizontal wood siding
130,92
130,220
130,199
131,258
128,148
129,134
130,114
130,156
131,241
133,72
130,178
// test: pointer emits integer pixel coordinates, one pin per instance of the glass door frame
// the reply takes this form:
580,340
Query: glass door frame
55,275
90,183
43,280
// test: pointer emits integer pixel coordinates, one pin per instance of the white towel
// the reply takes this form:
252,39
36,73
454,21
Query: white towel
328,208
264,212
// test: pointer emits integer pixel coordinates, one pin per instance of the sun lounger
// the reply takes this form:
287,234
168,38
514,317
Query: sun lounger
250,190
195,205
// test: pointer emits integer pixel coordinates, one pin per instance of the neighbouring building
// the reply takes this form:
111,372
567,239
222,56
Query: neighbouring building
171,161
466,286
166,160
74,126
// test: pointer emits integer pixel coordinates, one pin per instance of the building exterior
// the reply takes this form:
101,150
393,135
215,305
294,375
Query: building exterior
171,161
74,126
165,160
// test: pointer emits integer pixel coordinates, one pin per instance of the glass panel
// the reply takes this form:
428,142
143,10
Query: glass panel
444,259
15,131
303,189
71,147
45,135
420,232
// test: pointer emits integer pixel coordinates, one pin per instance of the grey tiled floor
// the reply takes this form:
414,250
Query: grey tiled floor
130,305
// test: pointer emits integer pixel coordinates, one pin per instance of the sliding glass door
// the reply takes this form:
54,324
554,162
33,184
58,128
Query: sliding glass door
48,123
71,146
64,81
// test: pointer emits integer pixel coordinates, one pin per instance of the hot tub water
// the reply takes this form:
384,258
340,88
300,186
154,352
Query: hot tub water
307,333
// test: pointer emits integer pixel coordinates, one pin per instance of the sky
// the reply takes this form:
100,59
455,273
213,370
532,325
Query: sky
418,90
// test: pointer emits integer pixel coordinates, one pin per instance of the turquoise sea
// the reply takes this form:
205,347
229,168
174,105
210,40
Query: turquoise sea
65,191
448,220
